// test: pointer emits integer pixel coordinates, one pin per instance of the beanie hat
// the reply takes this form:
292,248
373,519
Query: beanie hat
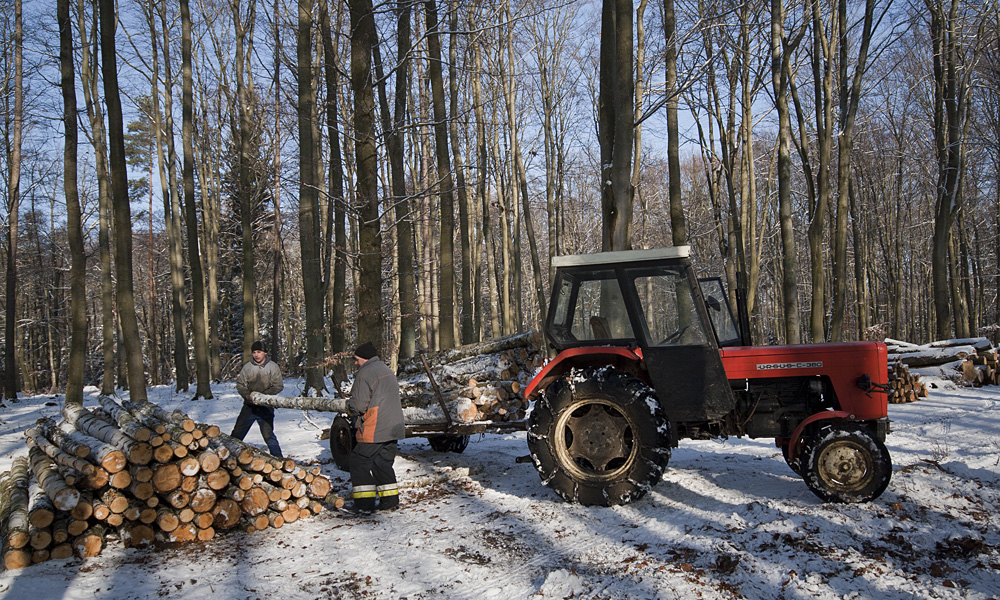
258,345
366,351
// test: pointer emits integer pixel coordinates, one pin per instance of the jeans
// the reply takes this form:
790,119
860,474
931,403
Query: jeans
264,416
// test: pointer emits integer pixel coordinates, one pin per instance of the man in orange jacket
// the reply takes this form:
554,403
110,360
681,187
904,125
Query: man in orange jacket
378,416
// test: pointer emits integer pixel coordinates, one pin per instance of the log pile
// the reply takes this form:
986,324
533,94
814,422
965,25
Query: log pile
968,361
906,386
136,473
477,382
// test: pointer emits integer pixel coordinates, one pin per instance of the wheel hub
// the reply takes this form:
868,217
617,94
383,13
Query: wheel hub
845,465
595,440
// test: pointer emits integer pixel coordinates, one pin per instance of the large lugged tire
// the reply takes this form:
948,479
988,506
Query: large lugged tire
845,463
599,437
342,442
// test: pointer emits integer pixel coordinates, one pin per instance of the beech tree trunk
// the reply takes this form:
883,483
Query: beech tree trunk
122,209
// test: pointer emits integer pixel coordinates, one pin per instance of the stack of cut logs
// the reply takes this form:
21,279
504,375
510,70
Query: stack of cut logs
906,386
478,382
135,472
969,361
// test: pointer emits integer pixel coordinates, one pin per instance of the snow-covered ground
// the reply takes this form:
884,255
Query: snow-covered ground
729,520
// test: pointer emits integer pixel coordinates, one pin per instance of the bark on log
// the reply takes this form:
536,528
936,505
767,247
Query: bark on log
56,453
126,421
109,433
14,523
63,496
299,403
530,340
71,444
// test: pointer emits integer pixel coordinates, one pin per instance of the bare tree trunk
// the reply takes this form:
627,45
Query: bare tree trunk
446,314
393,123
338,325
850,97
277,250
781,50
678,225
88,77
171,203
468,330
244,30
309,224
522,177
122,210
203,369
615,128
483,158
74,219
11,385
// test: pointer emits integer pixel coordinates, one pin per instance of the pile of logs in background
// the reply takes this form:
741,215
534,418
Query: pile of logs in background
971,362
136,473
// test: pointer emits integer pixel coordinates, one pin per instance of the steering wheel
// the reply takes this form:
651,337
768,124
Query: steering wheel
674,336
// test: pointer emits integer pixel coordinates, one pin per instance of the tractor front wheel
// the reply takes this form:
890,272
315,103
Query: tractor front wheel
846,463
599,437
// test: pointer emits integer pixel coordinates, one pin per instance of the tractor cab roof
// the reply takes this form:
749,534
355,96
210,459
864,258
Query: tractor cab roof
621,256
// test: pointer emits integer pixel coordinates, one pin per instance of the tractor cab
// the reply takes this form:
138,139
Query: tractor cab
648,354
651,302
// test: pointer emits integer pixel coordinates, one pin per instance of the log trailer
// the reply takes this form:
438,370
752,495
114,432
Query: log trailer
648,354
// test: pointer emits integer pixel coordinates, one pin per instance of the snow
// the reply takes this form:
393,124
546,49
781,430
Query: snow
728,520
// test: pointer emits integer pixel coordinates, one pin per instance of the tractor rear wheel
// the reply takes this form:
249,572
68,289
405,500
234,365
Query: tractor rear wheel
846,463
342,442
599,437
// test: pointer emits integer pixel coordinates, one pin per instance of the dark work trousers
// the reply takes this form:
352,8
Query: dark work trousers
264,416
372,476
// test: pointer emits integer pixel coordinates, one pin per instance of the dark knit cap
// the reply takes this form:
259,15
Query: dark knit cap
366,351
258,345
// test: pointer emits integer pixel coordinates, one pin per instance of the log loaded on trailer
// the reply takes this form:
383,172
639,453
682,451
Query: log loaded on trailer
648,354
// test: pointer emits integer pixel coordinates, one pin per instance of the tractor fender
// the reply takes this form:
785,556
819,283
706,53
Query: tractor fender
793,443
627,359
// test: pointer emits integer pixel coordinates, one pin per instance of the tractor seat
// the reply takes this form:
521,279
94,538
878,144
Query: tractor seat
599,325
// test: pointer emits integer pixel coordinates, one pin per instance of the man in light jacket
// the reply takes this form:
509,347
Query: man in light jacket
262,375
378,416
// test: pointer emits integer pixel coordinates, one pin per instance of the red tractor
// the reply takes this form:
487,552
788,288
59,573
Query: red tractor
649,354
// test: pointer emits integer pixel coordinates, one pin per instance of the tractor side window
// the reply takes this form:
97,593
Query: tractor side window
599,313
669,310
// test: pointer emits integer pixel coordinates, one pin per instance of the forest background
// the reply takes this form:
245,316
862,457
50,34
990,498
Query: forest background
183,179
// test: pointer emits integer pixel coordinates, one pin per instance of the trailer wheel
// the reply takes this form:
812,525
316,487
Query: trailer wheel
342,442
449,443
845,463
600,438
